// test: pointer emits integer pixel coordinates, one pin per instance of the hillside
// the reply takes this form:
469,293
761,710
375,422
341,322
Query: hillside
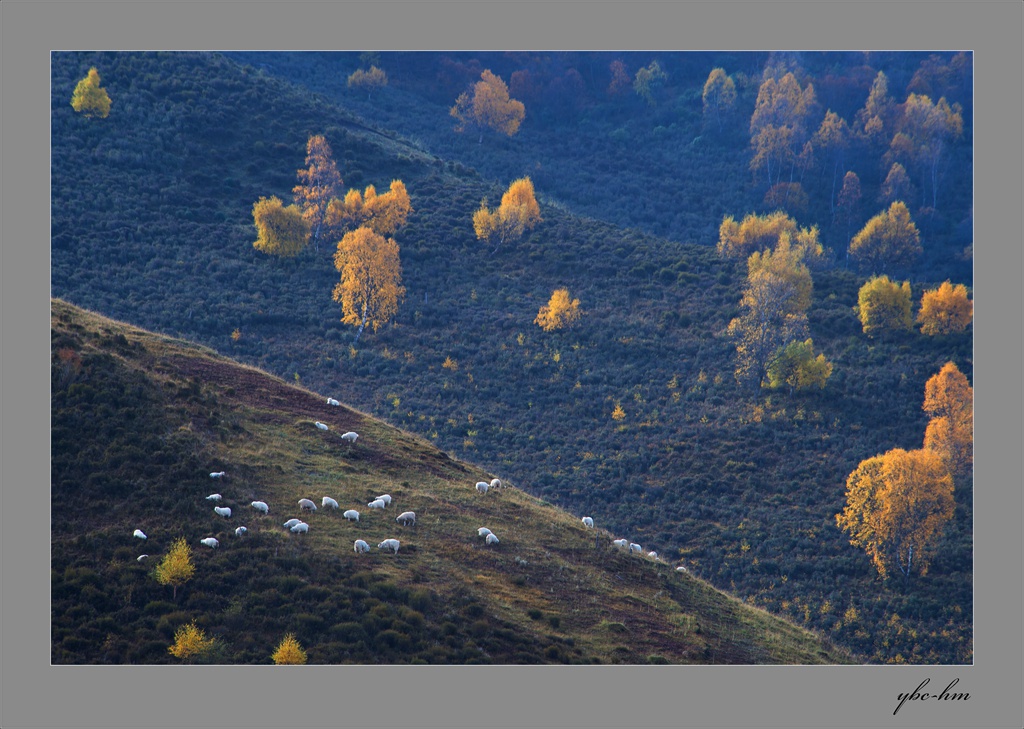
139,421
152,224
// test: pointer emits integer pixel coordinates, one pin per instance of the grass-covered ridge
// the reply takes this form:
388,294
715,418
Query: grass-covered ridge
139,421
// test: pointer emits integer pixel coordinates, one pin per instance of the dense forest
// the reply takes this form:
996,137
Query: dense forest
636,413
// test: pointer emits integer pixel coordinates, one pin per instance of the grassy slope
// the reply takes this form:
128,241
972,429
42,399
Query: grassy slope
152,224
163,413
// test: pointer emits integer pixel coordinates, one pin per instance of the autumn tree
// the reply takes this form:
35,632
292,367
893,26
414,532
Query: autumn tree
289,652
945,310
847,212
896,507
896,186
518,212
90,98
190,642
789,196
762,232
874,122
883,306
949,399
369,81
620,82
831,142
371,279
795,366
489,107
647,79
888,239
561,312
318,184
778,126
930,128
176,568
719,96
280,231
383,214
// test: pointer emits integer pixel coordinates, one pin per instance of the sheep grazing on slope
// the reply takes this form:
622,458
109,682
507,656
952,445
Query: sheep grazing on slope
377,504
390,545
350,436
307,504
360,546
482,486
302,527
291,522
351,515
635,548
483,531
217,474
141,557
241,531
261,506
214,497
386,498
320,425
210,542
491,539
328,501
332,401
223,511
407,518
496,483
621,543
652,555
588,522
139,533
680,568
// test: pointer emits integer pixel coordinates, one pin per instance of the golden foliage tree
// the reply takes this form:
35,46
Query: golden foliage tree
883,306
190,642
896,507
896,186
280,231
518,212
778,126
719,96
490,107
647,79
874,122
289,652
370,80
889,239
930,128
176,568
945,310
561,312
90,98
795,366
785,262
319,181
383,214
371,279
949,399
754,233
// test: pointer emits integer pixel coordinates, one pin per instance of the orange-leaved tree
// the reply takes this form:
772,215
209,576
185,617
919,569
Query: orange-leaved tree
888,239
949,399
561,312
280,231
176,568
883,306
490,107
945,310
896,507
90,98
319,181
384,213
371,279
517,213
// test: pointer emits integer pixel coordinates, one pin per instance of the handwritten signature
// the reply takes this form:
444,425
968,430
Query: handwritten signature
944,695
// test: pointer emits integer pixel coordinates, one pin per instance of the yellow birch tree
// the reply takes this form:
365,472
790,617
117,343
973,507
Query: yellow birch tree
176,568
319,180
371,279
945,310
280,231
289,652
90,98
489,107
561,312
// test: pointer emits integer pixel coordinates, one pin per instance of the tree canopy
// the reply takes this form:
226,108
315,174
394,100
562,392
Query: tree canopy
883,306
280,231
945,310
518,212
371,279
489,107
319,182
90,98
949,399
888,240
561,312
176,568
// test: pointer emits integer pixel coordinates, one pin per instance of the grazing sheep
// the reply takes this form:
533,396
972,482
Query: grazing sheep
139,533
351,515
621,543
291,522
328,501
496,483
320,425
588,522
261,506
307,504
223,511
361,546
141,557
635,548
214,497
210,542
350,436
377,504
390,545
652,555
406,518
483,531
680,568
302,527
491,539
482,486
386,498
241,531
332,401
217,474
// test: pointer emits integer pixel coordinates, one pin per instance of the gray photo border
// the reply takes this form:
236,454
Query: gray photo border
35,694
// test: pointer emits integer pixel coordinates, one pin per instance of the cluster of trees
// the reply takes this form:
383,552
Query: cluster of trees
489,107
885,306
518,212
561,312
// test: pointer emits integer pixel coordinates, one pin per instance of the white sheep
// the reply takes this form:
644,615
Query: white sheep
390,545
307,504
210,542
302,527
635,548
332,401
680,568
482,486
140,534
291,522
386,498
588,522
217,474
491,539
361,546
141,557
261,506
351,515
241,531
328,501
223,511
652,555
406,518
377,504
350,436
320,425
496,483
621,543
483,531
214,497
